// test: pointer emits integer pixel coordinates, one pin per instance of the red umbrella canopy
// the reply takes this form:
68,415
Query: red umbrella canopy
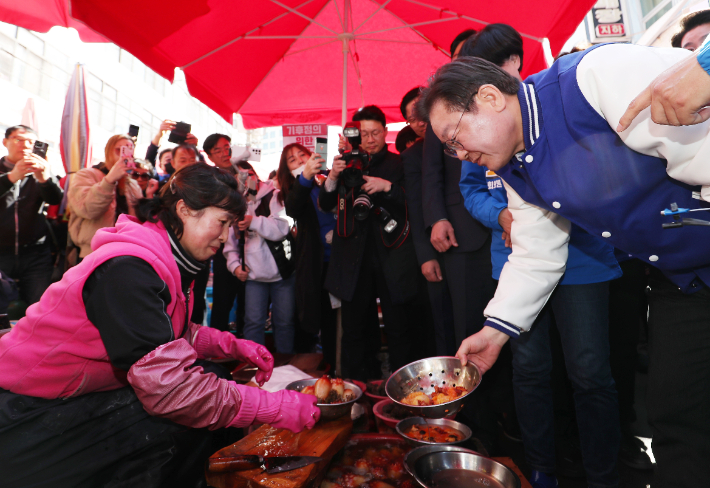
281,61
42,15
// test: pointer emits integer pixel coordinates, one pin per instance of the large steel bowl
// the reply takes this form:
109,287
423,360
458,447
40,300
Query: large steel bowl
329,411
406,424
424,375
425,463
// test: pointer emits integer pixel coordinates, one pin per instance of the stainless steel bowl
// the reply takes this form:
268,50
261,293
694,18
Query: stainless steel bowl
429,462
424,375
406,424
327,411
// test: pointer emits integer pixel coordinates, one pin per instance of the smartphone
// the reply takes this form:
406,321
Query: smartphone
133,130
40,149
322,150
179,133
127,156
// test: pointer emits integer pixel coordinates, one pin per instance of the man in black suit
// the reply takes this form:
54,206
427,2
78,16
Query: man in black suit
464,243
430,261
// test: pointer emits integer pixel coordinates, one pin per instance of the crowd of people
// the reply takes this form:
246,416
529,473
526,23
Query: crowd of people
514,227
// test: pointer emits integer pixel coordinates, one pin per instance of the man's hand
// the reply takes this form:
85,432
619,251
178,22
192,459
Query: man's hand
40,167
241,274
374,185
313,166
191,139
22,168
245,222
165,127
482,348
432,271
338,167
678,96
442,236
505,219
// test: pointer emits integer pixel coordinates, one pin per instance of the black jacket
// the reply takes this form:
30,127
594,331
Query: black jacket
347,253
27,197
412,160
442,199
308,251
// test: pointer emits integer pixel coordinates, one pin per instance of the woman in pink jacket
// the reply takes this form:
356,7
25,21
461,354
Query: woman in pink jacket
101,382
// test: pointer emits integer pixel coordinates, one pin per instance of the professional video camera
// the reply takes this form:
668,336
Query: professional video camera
357,164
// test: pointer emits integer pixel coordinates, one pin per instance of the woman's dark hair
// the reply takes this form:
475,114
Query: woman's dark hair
459,39
495,43
371,112
283,175
405,136
688,23
456,83
199,186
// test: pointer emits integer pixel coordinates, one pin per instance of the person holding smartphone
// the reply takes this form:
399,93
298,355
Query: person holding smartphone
98,195
26,184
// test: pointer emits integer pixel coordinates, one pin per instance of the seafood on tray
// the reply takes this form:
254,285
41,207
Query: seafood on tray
330,391
434,433
369,466
441,395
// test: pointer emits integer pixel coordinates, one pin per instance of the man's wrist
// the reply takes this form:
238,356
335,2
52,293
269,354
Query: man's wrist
502,326
12,177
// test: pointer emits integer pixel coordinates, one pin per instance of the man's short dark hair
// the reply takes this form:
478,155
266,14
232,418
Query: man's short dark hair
408,97
21,127
371,112
459,39
212,141
162,153
456,83
405,136
688,23
495,43
188,147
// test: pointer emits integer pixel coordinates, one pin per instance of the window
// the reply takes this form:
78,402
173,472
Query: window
655,7
8,29
30,41
6,63
126,59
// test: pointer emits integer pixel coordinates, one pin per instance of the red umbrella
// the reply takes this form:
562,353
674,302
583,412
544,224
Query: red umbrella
42,15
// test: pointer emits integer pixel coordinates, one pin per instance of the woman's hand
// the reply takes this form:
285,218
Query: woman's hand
118,171
256,355
313,166
374,185
338,167
482,348
152,188
242,274
245,222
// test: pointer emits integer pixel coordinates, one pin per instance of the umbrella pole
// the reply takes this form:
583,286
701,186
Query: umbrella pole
344,112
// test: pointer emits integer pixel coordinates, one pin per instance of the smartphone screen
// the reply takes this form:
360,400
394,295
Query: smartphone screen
322,150
127,157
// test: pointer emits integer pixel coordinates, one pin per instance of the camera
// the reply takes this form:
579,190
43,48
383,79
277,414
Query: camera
357,164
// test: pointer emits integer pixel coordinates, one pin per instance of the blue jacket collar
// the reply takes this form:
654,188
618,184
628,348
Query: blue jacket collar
531,113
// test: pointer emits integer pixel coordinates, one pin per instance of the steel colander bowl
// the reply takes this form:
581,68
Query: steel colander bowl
424,375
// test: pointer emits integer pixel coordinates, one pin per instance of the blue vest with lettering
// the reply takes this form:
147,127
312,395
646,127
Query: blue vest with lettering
575,165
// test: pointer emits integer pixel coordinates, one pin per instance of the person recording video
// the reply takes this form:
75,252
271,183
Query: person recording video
371,255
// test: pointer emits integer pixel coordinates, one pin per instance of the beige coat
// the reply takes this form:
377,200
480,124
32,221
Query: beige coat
92,202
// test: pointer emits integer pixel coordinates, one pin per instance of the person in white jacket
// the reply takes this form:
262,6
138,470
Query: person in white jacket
265,219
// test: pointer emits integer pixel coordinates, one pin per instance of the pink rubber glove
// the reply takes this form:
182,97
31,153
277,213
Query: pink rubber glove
284,409
213,343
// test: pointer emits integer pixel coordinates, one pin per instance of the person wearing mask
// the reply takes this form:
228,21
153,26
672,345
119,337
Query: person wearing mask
98,195
143,174
368,263
265,265
104,381
579,305
298,177
26,184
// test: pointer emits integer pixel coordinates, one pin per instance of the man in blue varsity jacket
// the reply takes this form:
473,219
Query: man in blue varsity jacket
552,140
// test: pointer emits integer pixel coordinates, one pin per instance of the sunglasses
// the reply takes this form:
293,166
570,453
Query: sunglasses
143,176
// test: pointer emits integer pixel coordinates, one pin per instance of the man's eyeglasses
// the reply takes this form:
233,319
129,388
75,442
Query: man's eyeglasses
452,145
140,176
219,150
20,140
374,134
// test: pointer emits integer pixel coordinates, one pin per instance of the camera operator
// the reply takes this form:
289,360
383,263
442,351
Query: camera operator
370,258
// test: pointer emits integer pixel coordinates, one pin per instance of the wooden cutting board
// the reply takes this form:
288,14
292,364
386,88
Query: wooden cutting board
324,440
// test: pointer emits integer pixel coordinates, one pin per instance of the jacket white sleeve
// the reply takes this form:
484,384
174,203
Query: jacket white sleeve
534,268
611,76
275,226
231,251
